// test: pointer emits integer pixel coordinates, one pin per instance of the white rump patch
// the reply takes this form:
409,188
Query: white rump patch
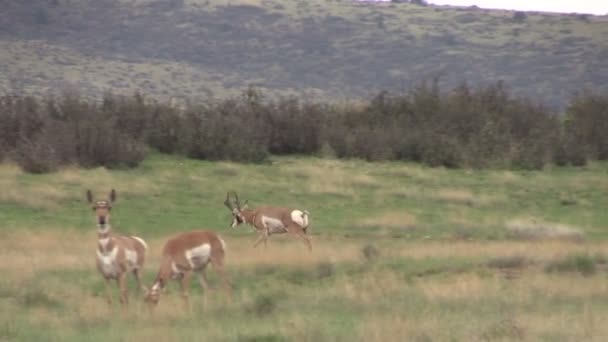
198,256
273,225
141,241
300,217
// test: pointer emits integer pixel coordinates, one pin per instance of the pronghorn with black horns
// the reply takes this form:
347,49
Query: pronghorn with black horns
184,254
117,255
268,220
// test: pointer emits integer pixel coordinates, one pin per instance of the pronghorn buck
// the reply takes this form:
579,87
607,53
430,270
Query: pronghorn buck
117,255
184,254
268,220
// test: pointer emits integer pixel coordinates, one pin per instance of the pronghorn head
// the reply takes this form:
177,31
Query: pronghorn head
102,208
152,296
235,208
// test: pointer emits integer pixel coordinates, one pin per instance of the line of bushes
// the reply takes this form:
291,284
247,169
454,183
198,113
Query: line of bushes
465,127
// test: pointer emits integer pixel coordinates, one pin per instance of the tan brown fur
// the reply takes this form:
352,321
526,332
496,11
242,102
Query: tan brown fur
174,257
112,250
255,216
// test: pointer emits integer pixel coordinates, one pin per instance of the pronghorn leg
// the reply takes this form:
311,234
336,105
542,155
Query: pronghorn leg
265,238
202,278
108,290
218,266
259,239
298,232
184,283
122,285
140,287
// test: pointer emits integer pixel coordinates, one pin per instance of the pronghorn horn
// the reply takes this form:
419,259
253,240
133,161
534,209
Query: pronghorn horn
238,203
112,195
227,201
89,196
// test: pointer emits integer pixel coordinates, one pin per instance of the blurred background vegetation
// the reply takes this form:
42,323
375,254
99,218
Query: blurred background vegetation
191,49
463,127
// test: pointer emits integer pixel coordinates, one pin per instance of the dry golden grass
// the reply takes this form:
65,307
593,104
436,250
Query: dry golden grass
461,286
31,251
27,254
389,219
50,194
464,196
38,195
388,327
101,181
325,179
461,249
537,229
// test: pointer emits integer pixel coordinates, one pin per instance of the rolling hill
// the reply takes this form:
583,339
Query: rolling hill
330,49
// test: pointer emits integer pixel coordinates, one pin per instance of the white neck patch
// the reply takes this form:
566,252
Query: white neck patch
103,229
104,243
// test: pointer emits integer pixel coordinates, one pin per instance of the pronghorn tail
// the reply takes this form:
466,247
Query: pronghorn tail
141,241
223,243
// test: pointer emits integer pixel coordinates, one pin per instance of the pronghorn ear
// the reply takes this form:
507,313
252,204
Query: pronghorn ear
112,195
246,204
89,196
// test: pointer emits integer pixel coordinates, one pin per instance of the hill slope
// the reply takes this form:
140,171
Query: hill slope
326,48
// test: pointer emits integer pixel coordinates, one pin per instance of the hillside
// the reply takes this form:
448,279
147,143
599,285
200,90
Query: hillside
338,49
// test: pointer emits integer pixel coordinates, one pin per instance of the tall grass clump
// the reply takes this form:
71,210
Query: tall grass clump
582,263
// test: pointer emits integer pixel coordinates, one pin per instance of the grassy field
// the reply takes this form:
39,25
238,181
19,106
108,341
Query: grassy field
400,252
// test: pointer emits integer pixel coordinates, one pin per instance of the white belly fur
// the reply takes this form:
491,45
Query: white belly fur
198,256
108,262
273,225
300,218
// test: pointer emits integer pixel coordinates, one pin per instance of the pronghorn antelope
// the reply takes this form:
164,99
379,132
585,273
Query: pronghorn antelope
116,254
184,254
269,220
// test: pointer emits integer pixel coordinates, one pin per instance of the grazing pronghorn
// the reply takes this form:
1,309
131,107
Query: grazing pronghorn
184,254
269,220
116,254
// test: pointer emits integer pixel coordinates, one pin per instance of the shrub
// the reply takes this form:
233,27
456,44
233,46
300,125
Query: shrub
585,127
36,156
264,305
325,270
581,263
465,127
509,262
370,252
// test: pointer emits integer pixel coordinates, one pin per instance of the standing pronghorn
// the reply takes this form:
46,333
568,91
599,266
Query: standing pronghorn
116,254
186,253
270,220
